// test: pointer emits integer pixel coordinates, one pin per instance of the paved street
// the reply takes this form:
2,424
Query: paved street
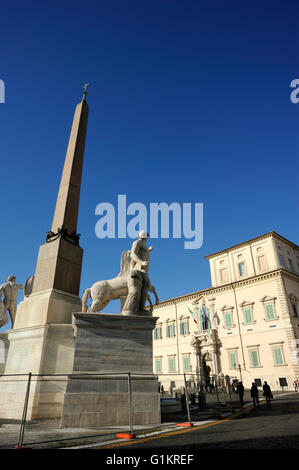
259,428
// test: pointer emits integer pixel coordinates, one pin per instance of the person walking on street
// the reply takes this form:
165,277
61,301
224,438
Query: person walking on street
267,394
296,384
241,393
254,394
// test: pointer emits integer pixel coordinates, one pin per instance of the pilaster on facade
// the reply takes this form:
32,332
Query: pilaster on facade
282,297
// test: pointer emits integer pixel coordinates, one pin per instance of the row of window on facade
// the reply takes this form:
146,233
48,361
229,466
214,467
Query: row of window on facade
171,364
282,262
253,355
262,266
204,318
242,270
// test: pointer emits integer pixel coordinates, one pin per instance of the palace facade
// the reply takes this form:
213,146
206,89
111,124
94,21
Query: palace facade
247,323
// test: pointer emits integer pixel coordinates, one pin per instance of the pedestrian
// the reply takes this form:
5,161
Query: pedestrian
254,394
267,394
162,389
296,384
297,381
241,393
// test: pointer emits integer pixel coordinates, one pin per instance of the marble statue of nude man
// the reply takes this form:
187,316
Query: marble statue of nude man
10,291
140,262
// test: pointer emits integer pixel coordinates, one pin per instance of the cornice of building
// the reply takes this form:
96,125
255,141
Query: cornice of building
227,287
256,239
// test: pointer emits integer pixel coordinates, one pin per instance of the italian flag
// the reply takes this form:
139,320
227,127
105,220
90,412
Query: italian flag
192,314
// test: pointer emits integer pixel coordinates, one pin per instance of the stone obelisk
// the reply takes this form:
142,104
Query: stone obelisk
56,284
42,339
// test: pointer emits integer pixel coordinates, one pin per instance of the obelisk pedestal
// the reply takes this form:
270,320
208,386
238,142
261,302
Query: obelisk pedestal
107,347
42,339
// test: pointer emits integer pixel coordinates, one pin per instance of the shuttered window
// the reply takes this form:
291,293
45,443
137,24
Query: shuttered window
158,365
184,327
232,357
248,315
228,320
171,364
170,330
158,332
254,358
269,309
186,363
262,263
278,356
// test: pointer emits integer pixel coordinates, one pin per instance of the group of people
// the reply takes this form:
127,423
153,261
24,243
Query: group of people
210,387
296,385
254,393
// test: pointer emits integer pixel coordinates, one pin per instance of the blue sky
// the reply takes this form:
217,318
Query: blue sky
189,102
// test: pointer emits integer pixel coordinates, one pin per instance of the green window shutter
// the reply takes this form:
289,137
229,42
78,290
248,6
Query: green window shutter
158,366
171,364
186,363
233,360
254,358
269,311
248,315
184,328
278,356
228,320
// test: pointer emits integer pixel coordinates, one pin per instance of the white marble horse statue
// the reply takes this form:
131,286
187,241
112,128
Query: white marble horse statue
103,291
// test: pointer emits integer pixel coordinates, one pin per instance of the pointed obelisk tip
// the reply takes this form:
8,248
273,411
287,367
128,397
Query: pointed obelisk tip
85,91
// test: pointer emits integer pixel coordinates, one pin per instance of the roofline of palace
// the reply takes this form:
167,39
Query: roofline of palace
260,237
218,289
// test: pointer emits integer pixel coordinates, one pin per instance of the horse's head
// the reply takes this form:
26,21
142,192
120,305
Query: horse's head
125,262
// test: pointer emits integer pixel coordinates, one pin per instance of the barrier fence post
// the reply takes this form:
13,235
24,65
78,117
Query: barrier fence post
23,422
130,403
187,398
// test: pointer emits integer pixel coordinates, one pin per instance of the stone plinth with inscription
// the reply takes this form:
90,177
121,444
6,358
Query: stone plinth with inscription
107,347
